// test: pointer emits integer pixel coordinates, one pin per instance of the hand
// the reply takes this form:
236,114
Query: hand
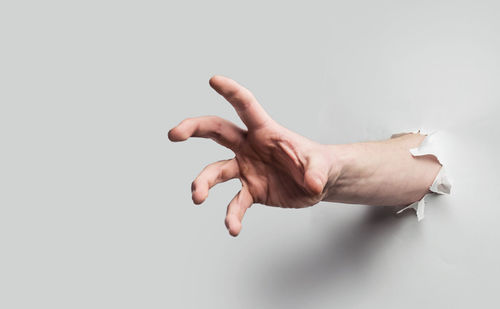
276,167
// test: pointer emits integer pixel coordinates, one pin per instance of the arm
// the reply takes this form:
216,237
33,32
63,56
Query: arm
380,173
278,167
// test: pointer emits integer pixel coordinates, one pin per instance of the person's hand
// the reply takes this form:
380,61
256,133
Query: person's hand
276,167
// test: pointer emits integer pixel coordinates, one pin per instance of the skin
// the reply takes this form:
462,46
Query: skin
278,167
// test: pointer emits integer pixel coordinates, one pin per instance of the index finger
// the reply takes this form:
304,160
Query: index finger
243,101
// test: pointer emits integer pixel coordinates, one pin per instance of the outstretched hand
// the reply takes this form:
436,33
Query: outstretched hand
276,167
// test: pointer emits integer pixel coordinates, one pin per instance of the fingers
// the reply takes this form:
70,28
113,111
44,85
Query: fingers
243,101
216,173
220,130
236,210
211,175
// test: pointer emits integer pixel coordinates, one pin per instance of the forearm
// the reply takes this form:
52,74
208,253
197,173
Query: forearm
380,173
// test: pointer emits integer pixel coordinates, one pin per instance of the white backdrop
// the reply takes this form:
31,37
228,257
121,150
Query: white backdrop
95,207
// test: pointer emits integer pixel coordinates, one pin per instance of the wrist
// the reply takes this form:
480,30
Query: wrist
338,159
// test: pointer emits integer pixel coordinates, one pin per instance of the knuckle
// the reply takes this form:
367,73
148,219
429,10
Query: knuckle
245,98
240,97
232,93
223,173
220,175
218,128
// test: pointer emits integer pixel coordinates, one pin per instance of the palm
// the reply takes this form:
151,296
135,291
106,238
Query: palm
272,169
276,167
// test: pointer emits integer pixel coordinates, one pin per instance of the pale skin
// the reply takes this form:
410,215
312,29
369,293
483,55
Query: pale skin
277,167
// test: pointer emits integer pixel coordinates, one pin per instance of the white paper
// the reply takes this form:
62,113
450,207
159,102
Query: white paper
440,185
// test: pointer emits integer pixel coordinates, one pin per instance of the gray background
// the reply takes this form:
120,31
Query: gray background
95,207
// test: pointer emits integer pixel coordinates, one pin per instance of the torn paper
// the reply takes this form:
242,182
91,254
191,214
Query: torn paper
441,184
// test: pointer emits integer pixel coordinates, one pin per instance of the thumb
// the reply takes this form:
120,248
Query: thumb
315,177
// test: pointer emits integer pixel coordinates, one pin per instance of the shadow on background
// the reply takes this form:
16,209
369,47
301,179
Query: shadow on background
344,257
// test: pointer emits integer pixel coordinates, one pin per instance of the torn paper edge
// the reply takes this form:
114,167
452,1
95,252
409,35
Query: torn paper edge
441,183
